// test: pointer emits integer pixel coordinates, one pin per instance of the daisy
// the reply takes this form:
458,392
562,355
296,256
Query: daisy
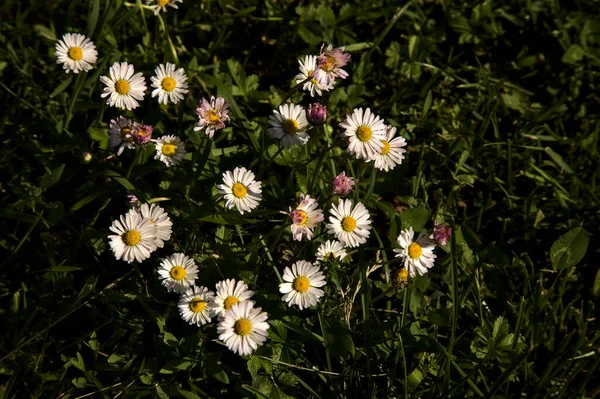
169,84
141,133
365,132
289,124
195,305
212,115
159,219
301,284
417,255
317,82
123,87
134,239
331,63
240,190
161,5
243,329
331,250
350,224
305,217
120,134
170,150
229,293
178,272
392,152
76,53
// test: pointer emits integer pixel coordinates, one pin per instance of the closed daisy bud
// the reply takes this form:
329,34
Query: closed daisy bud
400,278
441,233
141,134
317,114
342,184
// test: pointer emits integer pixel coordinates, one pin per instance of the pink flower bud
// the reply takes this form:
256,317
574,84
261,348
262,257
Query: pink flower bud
441,233
342,184
317,114
141,133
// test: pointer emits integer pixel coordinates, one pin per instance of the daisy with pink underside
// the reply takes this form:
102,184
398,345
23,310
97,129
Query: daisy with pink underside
212,115
305,217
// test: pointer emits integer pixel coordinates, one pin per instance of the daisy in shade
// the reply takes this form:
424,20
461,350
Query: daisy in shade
331,250
124,88
331,62
169,84
302,284
365,132
212,115
161,5
305,217
243,329
317,82
240,190
141,133
229,293
159,219
350,224
289,124
170,150
195,305
120,134
133,238
178,272
392,152
76,53
417,254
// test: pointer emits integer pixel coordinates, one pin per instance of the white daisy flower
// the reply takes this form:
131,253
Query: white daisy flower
350,224
170,84
120,134
240,190
331,250
317,82
244,328
365,131
289,124
212,115
417,255
392,152
123,87
195,305
229,293
76,53
301,284
159,219
170,150
161,5
178,272
331,62
305,217
134,239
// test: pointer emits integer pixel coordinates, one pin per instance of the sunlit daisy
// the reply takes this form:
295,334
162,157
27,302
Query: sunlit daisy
212,115
123,87
120,134
134,239
229,293
331,250
289,124
305,217
178,272
350,224
243,329
240,190
417,254
161,5
169,84
170,150
331,62
76,53
392,152
302,282
160,220
365,131
195,305
318,81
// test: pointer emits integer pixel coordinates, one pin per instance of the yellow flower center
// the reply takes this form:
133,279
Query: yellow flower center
329,64
168,150
75,53
401,278
290,126
348,224
126,131
131,238
414,250
212,117
178,273
168,84
242,327
229,302
239,190
162,3
197,305
329,255
122,86
364,133
386,147
304,217
301,284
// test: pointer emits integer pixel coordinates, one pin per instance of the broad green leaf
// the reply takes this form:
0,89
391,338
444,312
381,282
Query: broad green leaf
188,394
573,55
337,338
79,382
415,217
596,287
570,248
52,178
99,135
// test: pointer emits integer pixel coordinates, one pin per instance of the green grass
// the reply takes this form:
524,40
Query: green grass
499,104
